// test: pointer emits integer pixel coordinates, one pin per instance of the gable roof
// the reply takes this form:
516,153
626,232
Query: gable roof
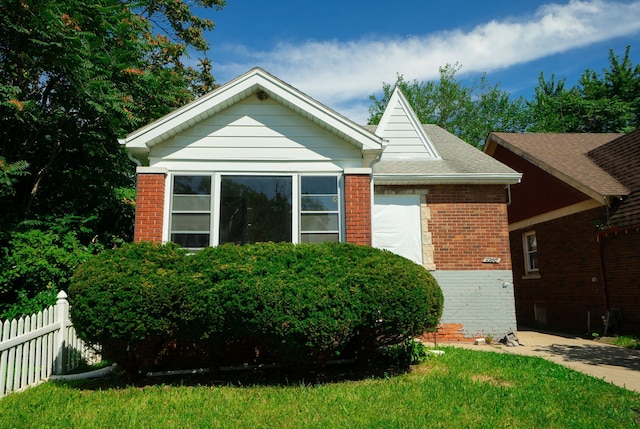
255,81
458,163
621,159
565,156
401,128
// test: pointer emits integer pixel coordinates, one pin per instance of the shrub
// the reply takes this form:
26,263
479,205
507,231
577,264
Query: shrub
297,305
134,299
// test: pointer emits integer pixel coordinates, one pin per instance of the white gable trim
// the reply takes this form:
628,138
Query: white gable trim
255,81
398,99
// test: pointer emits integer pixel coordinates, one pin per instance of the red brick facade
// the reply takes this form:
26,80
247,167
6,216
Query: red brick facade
448,333
468,224
357,208
149,207
565,296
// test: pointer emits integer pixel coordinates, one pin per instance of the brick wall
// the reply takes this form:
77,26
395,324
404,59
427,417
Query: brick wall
149,207
479,301
469,223
568,258
621,254
357,198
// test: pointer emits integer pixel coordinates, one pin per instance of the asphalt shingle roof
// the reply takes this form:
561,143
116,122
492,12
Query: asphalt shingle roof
565,155
459,159
608,164
621,158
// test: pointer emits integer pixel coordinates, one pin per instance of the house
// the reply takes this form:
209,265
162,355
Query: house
574,226
258,160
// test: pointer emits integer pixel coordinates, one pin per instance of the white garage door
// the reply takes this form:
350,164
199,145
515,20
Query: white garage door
396,225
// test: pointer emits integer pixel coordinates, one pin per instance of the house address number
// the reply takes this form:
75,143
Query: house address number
490,260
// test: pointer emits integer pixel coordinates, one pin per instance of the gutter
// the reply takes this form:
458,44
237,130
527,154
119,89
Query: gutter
423,179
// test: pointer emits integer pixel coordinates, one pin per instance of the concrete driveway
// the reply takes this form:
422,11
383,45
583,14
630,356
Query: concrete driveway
614,364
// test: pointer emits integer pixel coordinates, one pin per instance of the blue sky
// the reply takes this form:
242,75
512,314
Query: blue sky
341,51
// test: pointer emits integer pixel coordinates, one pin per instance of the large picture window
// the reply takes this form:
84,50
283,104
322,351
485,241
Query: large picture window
207,210
255,209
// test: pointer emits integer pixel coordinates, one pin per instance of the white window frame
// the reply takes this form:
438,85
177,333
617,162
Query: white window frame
216,183
527,252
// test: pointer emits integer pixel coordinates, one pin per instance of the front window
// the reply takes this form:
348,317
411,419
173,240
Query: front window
319,209
207,210
530,247
191,211
255,209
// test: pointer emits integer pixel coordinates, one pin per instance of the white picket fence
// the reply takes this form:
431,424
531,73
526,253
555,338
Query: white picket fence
34,347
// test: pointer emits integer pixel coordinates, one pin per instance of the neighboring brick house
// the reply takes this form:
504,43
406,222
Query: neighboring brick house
574,224
257,160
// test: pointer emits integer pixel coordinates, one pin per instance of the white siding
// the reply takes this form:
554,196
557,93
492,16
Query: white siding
405,136
256,135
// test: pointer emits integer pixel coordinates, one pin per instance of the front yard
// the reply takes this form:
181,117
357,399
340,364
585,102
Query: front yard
462,388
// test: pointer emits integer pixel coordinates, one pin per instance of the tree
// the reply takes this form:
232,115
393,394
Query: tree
468,112
598,103
74,76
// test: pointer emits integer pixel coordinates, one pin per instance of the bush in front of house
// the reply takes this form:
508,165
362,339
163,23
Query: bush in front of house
134,300
295,305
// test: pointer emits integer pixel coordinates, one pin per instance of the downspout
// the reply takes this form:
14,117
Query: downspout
600,236
134,159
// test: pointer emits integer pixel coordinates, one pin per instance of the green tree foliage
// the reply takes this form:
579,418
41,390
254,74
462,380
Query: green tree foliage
296,305
74,76
469,112
597,104
36,266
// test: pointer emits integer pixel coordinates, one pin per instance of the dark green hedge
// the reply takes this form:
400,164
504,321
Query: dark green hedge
296,305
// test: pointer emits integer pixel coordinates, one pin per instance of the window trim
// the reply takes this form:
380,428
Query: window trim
529,272
216,183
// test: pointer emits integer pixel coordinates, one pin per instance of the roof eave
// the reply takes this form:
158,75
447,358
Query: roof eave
582,187
240,88
447,179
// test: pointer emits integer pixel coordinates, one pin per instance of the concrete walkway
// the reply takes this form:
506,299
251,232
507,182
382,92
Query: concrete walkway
614,364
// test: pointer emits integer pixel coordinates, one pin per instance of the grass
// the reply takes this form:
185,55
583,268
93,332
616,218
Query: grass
462,388
627,341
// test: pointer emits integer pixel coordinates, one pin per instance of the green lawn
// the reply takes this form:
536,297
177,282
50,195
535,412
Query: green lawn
462,388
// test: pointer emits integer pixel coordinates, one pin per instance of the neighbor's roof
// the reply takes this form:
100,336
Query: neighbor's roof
621,158
565,156
459,163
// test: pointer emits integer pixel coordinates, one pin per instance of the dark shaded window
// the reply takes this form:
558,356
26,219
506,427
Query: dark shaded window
255,209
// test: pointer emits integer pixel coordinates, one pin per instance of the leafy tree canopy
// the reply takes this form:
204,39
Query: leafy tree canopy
469,112
74,76
597,104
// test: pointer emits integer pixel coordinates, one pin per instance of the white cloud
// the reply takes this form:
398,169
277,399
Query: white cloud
343,74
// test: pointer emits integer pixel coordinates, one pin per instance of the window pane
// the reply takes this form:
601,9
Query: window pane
191,240
255,209
319,238
319,203
319,185
532,243
192,203
319,222
533,261
190,222
192,185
